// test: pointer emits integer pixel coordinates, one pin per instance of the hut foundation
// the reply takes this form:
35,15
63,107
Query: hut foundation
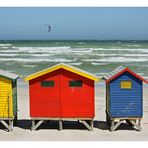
8,125
114,123
88,123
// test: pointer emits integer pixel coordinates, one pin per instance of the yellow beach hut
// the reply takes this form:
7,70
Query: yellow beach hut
8,98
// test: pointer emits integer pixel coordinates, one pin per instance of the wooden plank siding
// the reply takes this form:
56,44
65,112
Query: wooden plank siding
14,96
125,102
6,103
45,101
61,100
77,101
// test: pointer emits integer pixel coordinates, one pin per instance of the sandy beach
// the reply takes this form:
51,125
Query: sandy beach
72,131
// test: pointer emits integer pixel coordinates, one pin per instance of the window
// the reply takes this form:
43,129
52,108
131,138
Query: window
126,85
75,83
47,83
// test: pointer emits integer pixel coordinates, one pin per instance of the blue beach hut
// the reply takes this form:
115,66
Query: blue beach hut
124,98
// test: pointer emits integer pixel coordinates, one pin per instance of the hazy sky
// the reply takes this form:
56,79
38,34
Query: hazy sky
74,23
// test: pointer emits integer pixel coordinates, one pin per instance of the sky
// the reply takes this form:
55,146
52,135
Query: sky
73,23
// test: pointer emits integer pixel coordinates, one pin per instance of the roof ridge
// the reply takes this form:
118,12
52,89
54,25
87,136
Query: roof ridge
8,74
64,66
119,70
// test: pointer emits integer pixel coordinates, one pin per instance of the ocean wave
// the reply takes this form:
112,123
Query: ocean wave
68,49
121,49
100,74
82,43
136,45
9,51
36,60
125,55
29,66
5,45
8,55
140,74
50,50
94,63
23,54
145,77
40,55
78,63
41,49
117,59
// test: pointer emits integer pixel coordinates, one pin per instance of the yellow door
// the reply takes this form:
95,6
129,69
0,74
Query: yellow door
6,110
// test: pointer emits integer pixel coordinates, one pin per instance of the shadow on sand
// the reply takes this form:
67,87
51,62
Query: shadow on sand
104,126
24,124
52,125
67,125
2,127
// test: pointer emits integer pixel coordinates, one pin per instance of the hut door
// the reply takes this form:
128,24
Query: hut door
5,98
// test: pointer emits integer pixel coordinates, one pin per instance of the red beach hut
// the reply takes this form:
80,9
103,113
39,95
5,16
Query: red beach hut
62,92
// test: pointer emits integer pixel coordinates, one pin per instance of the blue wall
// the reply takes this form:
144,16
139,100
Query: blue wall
125,102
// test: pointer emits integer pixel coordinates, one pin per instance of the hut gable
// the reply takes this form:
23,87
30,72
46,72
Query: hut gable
8,75
126,96
124,93
63,66
62,91
119,71
8,97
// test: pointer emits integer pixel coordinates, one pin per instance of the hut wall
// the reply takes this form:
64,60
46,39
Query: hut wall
77,101
61,100
6,107
14,96
45,101
126,102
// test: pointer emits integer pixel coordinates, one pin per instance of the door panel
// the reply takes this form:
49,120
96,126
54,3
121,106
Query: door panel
45,95
6,110
77,102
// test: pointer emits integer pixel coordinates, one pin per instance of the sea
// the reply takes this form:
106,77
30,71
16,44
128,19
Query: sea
96,56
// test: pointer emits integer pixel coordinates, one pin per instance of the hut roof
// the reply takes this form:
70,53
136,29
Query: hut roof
66,67
120,70
8,75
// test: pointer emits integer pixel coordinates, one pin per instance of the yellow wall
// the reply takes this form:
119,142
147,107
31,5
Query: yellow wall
6,110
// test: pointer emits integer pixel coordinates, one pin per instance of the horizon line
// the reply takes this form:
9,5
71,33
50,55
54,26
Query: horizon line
73,40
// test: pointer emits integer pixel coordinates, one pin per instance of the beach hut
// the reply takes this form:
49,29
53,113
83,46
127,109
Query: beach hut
124,98
8,98
62,92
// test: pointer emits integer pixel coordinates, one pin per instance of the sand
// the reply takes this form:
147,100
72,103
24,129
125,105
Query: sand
72,130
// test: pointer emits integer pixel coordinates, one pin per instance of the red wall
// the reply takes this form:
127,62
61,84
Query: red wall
62,100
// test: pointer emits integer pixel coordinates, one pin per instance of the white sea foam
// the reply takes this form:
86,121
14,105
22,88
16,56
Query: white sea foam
78,63
94,63
40,55
42,49
136,45
100,74
117,59
9,51
146,78
69,49
29,65
121,49
125,55
82,43
97,49
8,55
4,45
36,60
55,50
140,74
75,51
